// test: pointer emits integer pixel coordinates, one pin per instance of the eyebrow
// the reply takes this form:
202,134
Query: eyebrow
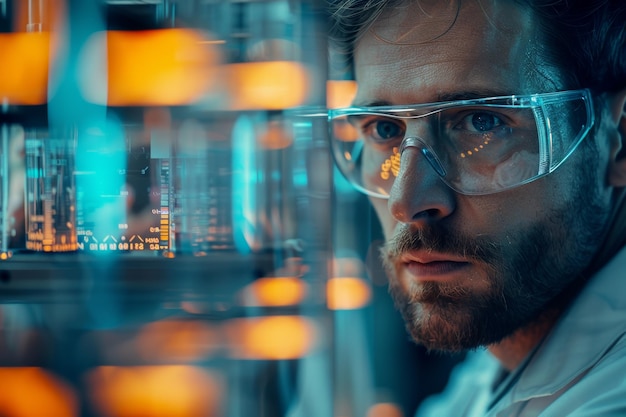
443,96
375,103
472,94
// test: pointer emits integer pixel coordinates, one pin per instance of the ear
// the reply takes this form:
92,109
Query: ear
617,164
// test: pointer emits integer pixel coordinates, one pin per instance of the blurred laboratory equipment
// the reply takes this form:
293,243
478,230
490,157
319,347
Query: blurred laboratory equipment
24,51
11,187
176,186
50,190
167,227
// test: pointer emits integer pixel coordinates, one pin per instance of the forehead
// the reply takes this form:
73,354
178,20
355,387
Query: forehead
422,50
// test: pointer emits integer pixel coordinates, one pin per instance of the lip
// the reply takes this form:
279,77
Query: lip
434,266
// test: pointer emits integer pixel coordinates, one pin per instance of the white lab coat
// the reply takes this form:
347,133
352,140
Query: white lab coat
579,370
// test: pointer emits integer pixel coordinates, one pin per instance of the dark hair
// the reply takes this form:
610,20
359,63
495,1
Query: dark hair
585,38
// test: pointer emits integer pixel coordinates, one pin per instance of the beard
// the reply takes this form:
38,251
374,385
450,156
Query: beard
528,278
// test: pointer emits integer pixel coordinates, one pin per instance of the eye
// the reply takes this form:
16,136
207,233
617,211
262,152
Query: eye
480,122
383,130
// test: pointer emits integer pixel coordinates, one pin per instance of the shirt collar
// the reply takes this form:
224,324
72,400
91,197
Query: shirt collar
581,337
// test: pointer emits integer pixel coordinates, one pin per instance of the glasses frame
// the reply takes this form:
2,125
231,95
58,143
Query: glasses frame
528,101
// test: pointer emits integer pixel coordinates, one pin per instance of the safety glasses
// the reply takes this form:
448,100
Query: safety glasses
477,147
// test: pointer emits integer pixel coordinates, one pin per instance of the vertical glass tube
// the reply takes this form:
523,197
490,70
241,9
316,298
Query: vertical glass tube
192,208
50,190
100,168
161,156
4,191
202,217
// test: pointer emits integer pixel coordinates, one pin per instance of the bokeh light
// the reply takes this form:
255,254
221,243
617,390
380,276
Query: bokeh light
340,93
31,392
155,391
272,337
279,291
24,75
270,85
151,67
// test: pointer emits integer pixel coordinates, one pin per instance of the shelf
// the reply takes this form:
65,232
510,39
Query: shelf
65,277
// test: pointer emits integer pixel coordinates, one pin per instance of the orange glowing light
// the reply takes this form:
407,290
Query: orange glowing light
273,337
275,292
347,293
24,74
158,67
340,93
27,392
385,410
155,391
176,340
275,136
344,131
269,85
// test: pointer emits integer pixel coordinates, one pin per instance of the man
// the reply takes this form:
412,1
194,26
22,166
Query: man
490,137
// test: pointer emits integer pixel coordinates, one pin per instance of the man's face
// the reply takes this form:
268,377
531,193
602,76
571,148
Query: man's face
470,270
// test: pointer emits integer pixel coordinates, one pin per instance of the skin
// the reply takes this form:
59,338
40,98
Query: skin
498,269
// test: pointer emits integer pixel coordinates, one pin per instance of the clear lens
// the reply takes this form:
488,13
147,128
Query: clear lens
476,146
485,149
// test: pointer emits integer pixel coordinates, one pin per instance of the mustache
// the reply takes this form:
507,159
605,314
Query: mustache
442,240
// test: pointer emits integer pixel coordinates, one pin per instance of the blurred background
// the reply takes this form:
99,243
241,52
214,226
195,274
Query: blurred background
174,239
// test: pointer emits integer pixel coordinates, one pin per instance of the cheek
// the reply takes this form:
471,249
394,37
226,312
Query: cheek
503,216
513,211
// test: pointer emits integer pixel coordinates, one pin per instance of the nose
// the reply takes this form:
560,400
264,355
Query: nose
418,194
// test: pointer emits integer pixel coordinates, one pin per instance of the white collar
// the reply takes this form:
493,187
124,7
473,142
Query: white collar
592,324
